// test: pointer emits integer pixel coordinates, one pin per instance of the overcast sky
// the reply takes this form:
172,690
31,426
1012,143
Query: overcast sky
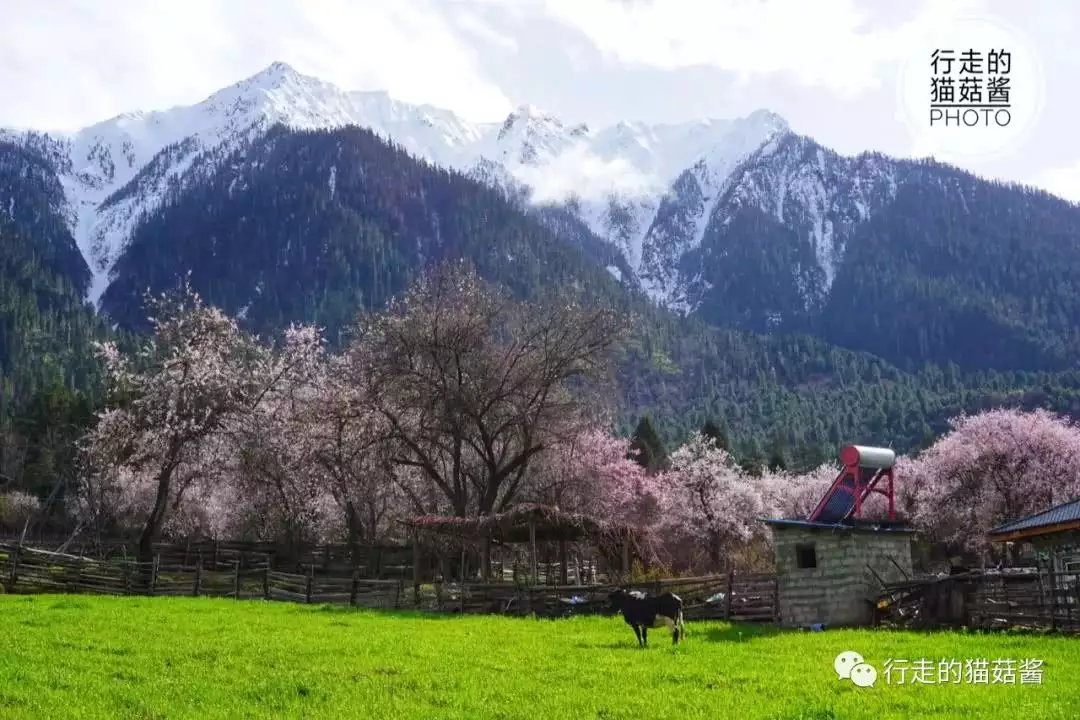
828,66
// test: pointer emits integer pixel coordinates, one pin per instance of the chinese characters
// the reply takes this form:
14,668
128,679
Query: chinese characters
972,671
970,88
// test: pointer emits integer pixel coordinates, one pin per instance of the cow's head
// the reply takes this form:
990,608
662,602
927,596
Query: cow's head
618,599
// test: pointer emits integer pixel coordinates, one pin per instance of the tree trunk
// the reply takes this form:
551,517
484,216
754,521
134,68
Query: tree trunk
152,530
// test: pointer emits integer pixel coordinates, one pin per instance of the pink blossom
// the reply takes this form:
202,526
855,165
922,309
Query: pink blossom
17,507
709,500
593,472
991,468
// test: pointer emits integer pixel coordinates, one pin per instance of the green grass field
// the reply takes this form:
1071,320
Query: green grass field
96,657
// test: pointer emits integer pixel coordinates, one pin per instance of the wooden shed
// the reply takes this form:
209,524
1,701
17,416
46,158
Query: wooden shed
535,525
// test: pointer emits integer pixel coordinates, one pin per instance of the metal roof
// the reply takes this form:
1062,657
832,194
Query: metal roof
1065,513
860,526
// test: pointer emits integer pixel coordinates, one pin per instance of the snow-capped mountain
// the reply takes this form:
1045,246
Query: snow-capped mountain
648,189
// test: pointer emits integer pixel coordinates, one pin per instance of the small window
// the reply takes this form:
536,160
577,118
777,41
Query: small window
805,556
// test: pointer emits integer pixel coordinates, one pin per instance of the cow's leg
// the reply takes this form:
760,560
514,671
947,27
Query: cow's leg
637,634
672,625
644,636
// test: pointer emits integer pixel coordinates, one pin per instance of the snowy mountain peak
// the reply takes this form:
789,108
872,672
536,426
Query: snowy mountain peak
615,177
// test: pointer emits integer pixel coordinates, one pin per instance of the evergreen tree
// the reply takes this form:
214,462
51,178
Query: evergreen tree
753,459
719,434
647,446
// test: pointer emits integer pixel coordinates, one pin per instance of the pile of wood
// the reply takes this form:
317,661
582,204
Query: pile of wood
993,600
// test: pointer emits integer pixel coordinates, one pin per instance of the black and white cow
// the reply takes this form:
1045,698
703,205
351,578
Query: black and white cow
642,613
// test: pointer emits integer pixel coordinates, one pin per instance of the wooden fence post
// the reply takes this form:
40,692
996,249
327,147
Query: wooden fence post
198,577
399,590
310,581
154,570
127,578
266,582
485,558
727,595
78,574
355,589
776,600
532,547
236,579
416,568
13,576
1053,596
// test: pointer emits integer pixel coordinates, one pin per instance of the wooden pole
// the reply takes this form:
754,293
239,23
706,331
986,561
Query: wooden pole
1053,587
13,576
236,579
416,568
486,558
532,548
727,595
310,581
198,577
562,563
461,585
776,600
266,582
154,570
355,589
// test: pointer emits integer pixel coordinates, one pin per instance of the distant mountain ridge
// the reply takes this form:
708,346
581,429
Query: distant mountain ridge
614,178
738,223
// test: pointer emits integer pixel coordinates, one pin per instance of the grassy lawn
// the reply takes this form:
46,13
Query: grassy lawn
96,657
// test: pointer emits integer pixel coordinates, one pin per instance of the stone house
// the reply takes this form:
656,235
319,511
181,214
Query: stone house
830,573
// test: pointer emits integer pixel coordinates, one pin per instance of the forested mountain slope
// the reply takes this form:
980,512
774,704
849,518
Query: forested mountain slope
309,226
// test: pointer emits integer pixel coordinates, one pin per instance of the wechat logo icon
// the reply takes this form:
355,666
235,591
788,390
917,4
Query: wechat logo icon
851,666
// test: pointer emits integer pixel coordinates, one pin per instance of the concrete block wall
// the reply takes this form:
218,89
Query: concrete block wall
837,591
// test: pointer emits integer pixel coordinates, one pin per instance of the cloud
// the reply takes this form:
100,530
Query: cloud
831,44
582,174
67,63
1062,181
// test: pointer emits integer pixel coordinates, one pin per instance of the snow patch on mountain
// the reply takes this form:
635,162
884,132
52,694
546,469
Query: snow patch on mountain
814,191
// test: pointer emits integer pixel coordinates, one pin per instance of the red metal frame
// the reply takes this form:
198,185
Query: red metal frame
850,458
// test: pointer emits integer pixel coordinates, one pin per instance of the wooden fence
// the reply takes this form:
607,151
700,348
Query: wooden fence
376,561
1033,599
27,570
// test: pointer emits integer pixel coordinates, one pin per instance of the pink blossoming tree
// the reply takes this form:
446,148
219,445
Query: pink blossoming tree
989,469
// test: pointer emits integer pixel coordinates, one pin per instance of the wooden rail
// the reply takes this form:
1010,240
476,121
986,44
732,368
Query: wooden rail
28,570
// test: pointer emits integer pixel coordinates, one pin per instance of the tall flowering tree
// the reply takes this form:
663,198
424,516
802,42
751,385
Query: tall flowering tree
596,473
353,451
989,469
17,508
709,500
148,447
472,385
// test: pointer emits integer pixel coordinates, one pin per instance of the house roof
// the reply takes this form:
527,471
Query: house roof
1057,519
873,526
512,526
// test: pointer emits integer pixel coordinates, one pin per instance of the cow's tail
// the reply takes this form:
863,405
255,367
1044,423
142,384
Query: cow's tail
681,626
